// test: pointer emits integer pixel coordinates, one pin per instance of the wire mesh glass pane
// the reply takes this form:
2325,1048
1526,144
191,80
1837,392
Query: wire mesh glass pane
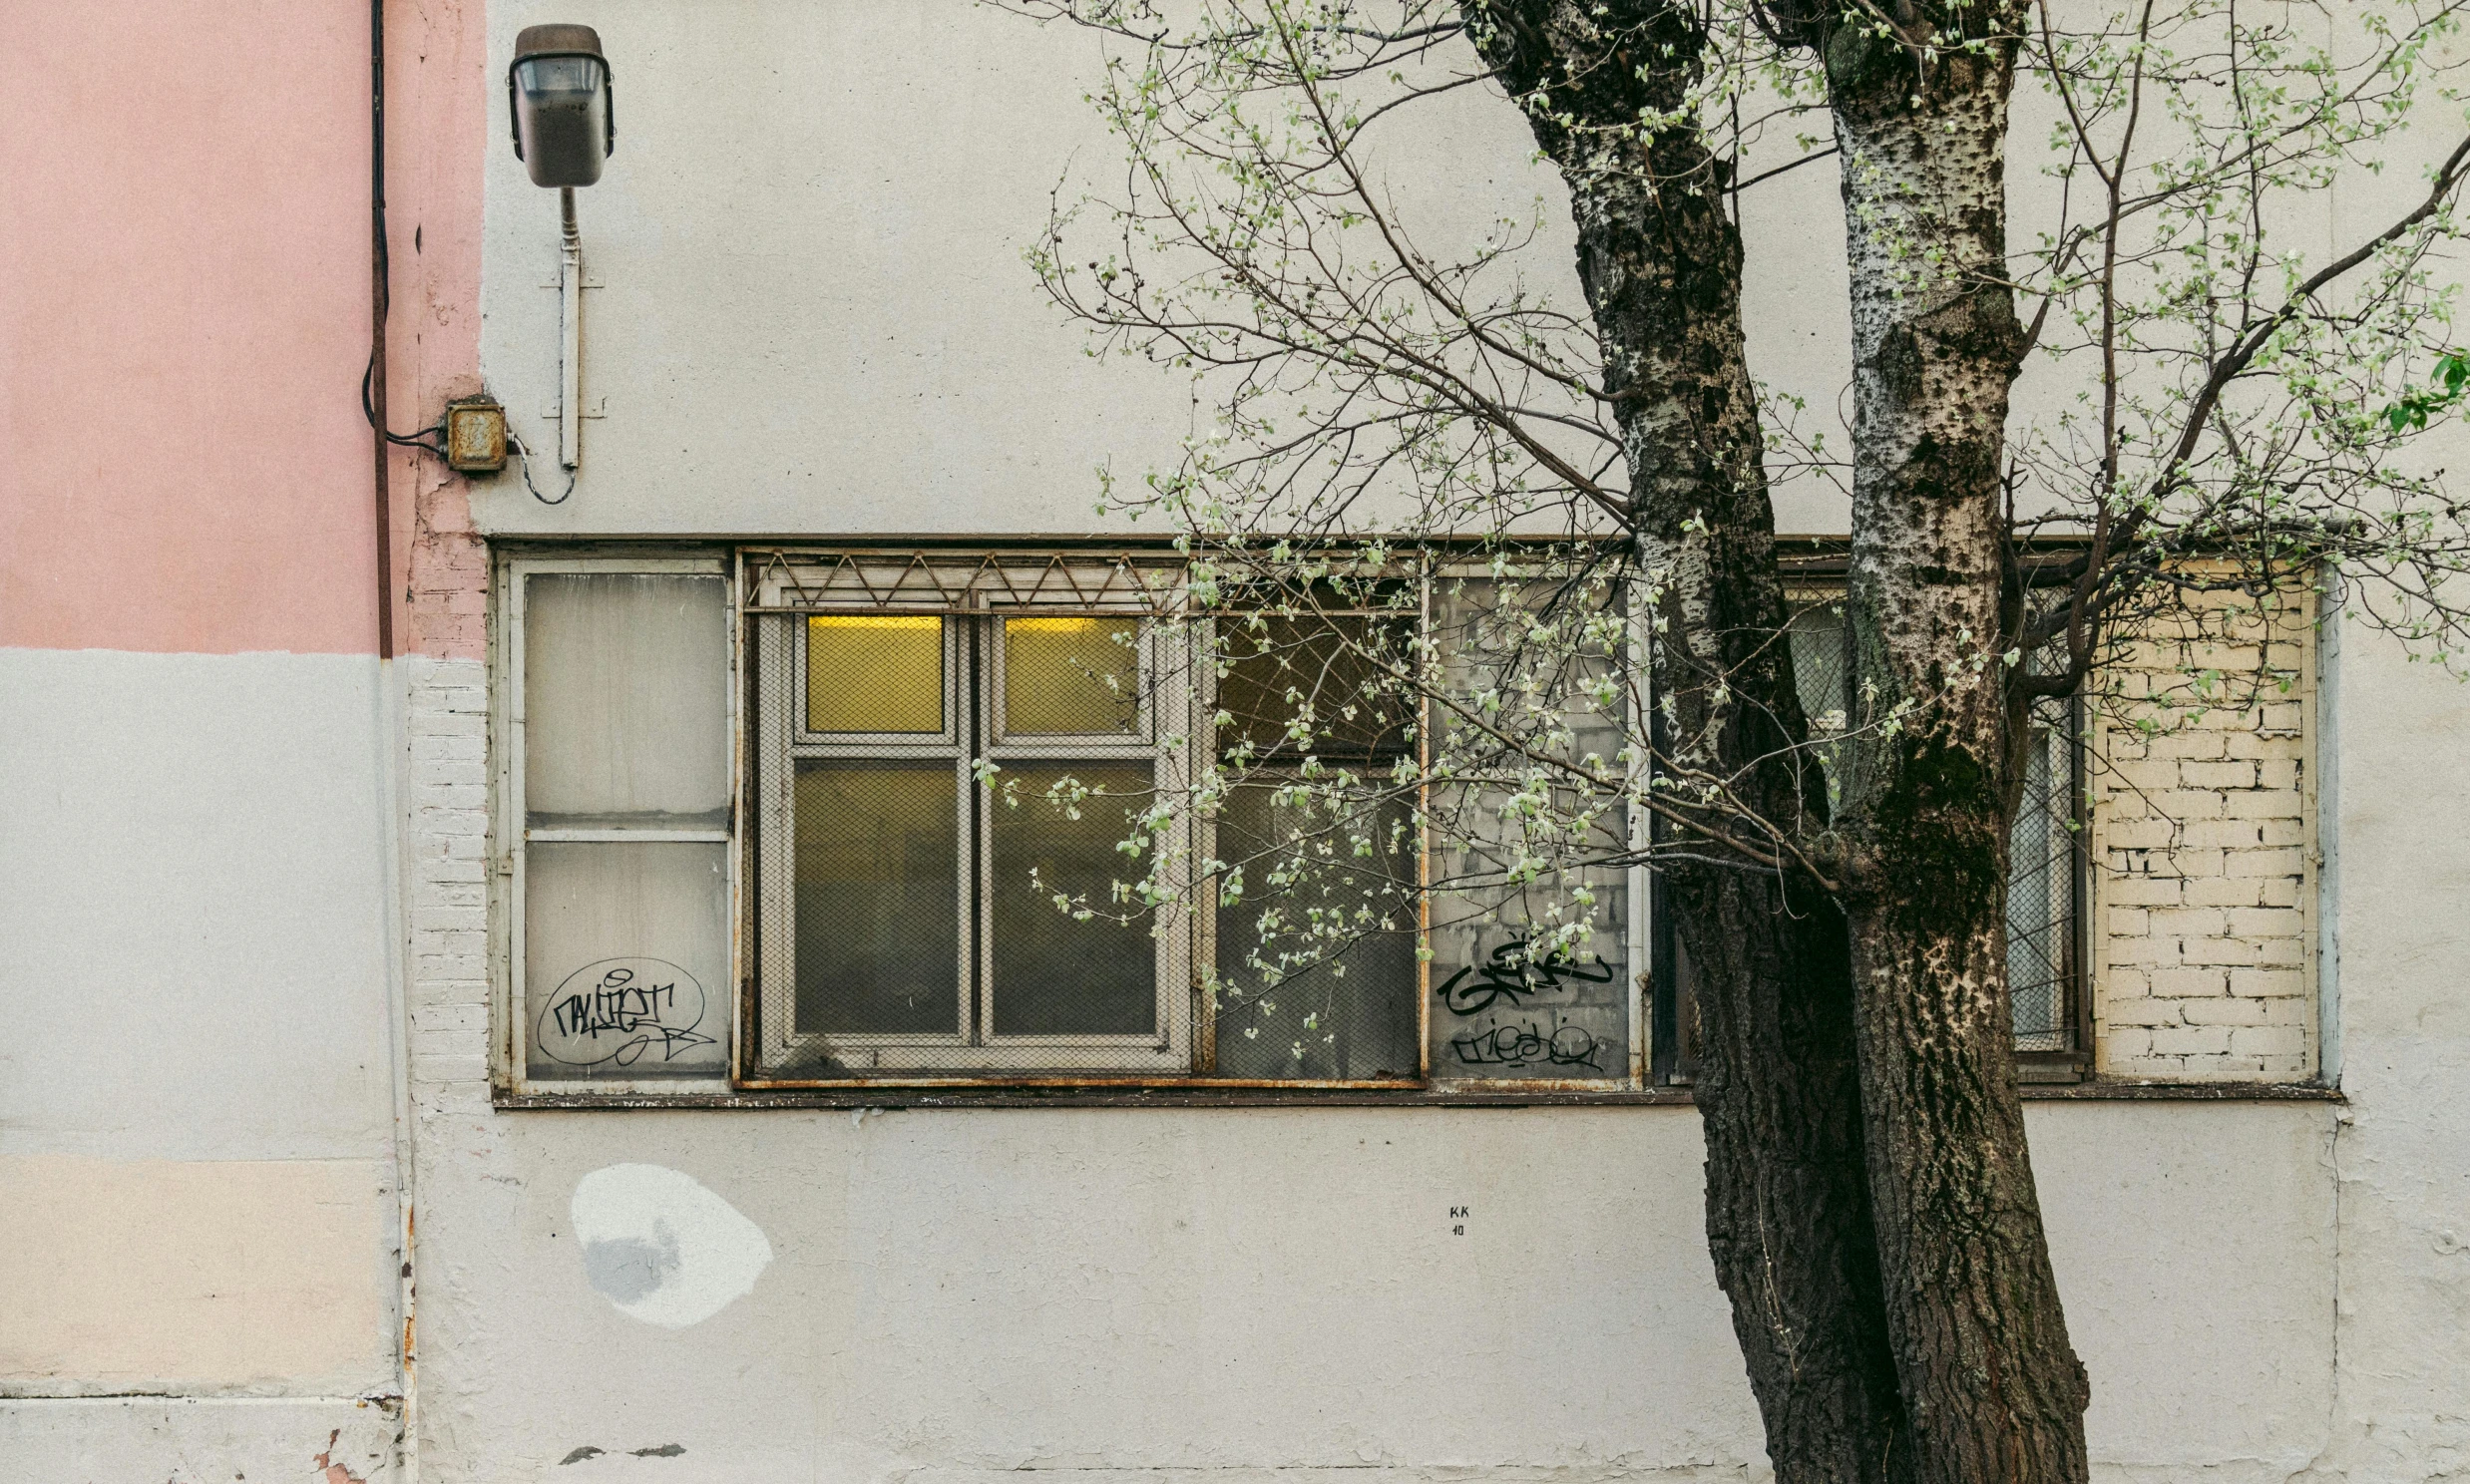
2041,888
625,967
874,673
877,898
1071,677
1823,678
1068,957
1315,937
1312,684
1817,636
625,699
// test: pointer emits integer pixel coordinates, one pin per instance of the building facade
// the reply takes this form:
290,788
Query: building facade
421,1066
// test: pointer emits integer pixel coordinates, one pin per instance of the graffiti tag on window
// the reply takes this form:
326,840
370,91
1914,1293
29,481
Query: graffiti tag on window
1510,975
621,1013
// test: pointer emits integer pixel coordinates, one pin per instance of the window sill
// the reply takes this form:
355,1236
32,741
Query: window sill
1154,1097
2121,1090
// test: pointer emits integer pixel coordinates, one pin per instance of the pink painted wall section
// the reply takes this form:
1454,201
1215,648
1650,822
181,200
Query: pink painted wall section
184,314
440,99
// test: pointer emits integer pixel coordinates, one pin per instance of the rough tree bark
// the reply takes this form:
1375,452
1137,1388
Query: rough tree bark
1993,1389
1914,1333
1788,1216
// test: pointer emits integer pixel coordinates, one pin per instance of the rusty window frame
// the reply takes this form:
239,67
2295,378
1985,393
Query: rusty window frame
747,569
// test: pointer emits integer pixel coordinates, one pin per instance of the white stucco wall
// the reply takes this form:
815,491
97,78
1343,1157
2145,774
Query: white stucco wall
957,1296
195,1125
815,317
198,1196
814,320
2401,1155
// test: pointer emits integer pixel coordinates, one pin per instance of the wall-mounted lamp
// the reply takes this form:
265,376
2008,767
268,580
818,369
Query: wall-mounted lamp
558,97
558,94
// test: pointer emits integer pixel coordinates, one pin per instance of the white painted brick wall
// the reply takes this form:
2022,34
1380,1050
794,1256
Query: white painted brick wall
446,722
2203,880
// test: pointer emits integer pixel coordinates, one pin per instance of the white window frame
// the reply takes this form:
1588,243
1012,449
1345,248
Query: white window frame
509,855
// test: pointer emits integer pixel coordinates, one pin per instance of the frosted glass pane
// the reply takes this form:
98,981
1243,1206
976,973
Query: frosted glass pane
867,673
878,898
625,959
1070,675
1055,975
625,699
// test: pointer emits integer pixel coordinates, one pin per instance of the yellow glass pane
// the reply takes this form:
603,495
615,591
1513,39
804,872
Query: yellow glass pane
1080,676
874,673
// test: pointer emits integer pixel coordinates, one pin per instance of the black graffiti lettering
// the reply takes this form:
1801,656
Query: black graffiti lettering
1528,1045
644,1015
1510,975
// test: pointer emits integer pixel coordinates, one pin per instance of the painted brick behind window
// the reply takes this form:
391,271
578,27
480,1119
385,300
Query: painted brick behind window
2203,877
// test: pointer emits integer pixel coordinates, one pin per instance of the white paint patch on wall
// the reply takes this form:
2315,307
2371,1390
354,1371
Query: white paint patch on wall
662,1249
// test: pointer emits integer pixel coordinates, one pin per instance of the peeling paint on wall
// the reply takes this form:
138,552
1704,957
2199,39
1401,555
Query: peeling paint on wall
662,1249
331,1472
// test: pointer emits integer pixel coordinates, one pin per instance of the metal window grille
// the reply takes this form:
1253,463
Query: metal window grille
949,756
2045,887
947,759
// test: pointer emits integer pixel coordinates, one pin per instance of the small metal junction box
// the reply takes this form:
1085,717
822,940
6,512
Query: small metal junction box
474,435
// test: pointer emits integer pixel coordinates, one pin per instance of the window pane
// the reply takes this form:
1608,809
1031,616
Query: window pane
878,898
1294,1000
1817,636
2040,889
1503,1005
1819,664
625,699
1312,674
874,673
1058,973
626,959
1072,676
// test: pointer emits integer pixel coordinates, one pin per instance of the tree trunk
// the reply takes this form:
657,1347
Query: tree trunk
1993,1389
1788,1218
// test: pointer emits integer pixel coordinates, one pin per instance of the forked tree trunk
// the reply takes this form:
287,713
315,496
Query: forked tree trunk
1914,1333
1788,1217
1992,1387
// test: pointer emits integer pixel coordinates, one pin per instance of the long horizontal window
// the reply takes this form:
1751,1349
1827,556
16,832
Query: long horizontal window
788,819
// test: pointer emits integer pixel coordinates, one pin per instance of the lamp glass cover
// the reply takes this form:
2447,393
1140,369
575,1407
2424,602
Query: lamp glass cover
561,115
